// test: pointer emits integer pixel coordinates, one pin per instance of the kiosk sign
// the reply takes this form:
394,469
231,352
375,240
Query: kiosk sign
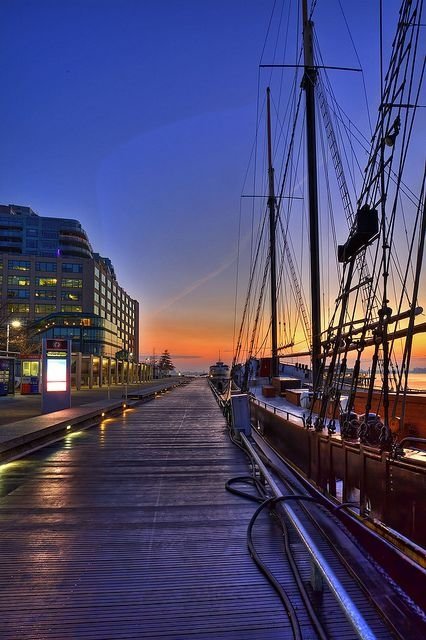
56,372
57,378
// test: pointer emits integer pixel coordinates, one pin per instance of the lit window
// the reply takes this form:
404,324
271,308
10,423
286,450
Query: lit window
18,281
46,294
46,282
44,309
71,308
72,283
20,265
18,308
69,295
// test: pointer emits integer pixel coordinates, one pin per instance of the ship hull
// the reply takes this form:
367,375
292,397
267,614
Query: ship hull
387,490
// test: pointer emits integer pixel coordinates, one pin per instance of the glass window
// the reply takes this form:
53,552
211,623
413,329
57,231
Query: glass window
46,266
20,265
70,295
97,285
18,293
72,283
17,307
45,294
72,267
97,272
71,307
103,278
45,309
18,281
103,290
96,297
96,310
46,282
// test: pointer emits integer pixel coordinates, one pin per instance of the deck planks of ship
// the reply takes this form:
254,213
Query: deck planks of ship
126,531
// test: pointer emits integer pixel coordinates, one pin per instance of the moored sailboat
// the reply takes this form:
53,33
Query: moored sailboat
353,430
219,376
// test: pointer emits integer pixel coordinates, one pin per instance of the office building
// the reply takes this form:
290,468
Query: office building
57,286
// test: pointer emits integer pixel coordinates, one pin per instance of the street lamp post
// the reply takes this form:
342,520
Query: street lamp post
15,324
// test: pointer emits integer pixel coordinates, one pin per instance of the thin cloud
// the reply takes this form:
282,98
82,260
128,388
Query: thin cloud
194,285
172,355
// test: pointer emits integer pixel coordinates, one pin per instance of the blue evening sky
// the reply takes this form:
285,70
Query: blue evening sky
137,118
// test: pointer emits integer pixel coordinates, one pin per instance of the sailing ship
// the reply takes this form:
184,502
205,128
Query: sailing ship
348,420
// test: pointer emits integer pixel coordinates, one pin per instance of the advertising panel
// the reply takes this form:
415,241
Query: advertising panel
56,385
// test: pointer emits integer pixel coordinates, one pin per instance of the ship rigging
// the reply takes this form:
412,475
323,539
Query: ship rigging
342,412
376,307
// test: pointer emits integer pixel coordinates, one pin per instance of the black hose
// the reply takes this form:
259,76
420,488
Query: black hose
263,568
305,597
274,582
284,598
247,480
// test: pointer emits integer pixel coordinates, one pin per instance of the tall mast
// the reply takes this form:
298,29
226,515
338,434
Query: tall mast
271,206
309,80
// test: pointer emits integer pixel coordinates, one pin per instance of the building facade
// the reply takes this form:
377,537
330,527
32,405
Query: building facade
56,286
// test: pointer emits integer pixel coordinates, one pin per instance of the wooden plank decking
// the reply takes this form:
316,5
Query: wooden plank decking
127,531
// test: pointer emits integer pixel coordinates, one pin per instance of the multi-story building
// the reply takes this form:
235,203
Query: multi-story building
53,282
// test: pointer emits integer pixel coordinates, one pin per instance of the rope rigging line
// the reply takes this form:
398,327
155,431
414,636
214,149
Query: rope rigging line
360,65
296,284
398,84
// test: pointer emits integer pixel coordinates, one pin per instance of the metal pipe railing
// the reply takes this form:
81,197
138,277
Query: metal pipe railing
275,409
360,625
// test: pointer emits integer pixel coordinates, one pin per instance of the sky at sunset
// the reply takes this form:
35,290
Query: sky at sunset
137,118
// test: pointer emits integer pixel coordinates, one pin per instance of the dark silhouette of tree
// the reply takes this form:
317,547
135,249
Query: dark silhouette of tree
165,363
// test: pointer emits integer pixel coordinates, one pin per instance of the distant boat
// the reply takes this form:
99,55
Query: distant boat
219,376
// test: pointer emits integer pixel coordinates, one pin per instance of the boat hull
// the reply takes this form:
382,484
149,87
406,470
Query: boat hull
387,490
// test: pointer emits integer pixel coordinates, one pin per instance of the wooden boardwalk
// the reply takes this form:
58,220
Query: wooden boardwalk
126,531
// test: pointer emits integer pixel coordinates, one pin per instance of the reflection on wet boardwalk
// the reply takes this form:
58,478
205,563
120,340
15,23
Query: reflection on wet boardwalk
127,531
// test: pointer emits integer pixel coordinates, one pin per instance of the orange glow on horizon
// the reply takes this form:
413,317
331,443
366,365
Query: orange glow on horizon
203,339
206,334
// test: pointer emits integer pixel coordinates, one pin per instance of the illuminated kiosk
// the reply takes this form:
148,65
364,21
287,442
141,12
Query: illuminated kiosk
30,374
56,378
